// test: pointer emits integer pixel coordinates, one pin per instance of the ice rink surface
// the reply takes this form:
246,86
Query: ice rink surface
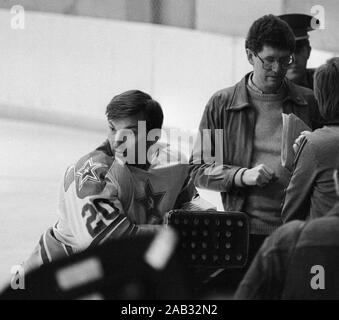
33,159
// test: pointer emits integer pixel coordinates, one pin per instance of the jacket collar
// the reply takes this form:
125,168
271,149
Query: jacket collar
293,94
240,97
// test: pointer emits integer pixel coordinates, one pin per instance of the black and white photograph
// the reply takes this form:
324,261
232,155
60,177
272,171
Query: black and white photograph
178,151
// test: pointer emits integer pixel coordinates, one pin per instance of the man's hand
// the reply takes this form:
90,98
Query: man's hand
298,141
260,175
166,219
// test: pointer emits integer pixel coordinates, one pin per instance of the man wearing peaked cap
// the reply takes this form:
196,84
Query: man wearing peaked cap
301,24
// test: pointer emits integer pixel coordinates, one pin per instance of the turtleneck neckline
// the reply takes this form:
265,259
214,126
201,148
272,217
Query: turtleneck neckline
254,88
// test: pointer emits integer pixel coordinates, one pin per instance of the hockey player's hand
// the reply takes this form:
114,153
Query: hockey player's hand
298,141
260,175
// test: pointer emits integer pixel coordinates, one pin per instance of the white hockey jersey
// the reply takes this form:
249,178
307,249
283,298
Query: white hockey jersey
102,199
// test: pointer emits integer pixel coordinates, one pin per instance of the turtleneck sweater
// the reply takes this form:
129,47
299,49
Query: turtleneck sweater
264,203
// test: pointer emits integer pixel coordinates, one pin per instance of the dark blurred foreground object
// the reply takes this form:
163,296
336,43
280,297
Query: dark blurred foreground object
143,267
212,239
301,24
147,267
215,247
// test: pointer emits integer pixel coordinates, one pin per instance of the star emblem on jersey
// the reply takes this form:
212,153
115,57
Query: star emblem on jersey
151,202
88,172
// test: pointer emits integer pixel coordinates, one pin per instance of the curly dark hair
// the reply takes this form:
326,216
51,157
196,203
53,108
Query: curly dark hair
271,31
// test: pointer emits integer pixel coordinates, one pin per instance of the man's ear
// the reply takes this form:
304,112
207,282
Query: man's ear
250,56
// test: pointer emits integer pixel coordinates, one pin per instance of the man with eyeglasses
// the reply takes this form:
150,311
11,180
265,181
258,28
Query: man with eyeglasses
251,177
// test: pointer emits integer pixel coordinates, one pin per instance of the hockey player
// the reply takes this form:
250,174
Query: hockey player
124,187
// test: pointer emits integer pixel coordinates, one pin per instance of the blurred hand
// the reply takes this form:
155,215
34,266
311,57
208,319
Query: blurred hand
166,219
260,175
298,141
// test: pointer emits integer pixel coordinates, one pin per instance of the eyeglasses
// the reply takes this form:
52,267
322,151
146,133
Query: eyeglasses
268,63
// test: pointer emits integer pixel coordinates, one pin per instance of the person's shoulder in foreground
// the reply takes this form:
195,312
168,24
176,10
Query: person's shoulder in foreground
266,275
269,276
279,268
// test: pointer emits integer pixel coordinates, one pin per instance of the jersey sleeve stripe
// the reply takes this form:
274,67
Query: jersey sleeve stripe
69,249
54,248
117,231
111,228
134,231
46,246
64,247
131,230
43,250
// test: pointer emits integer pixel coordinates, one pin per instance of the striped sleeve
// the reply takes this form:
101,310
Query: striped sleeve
48,249
118,228
51,248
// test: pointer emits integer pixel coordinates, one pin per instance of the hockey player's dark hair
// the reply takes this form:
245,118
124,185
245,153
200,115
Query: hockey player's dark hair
132,102
271,31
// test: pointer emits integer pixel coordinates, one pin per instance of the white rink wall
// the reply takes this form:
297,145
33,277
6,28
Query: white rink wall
61,67
74,65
